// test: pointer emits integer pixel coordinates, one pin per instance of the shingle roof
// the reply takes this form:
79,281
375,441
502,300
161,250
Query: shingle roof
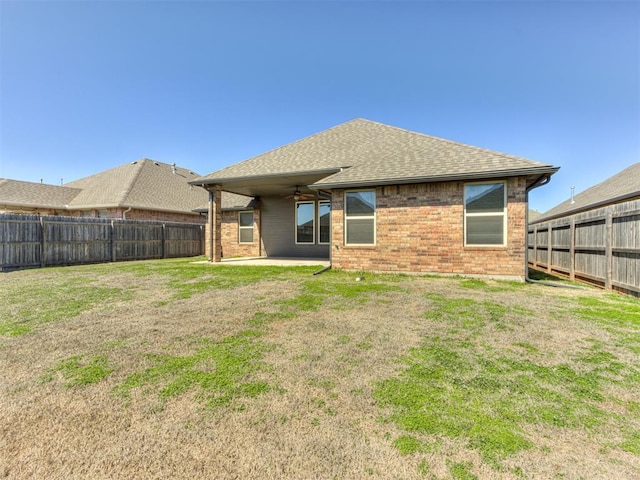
144,184
17,193
362,152
622,186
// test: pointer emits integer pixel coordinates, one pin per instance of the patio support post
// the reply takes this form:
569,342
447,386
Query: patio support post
215,224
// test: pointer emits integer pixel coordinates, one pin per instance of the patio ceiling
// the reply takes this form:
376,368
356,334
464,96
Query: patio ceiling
272,185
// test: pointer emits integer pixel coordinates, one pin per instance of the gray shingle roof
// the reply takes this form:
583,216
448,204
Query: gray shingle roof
144,184
17,193
622,186
362,152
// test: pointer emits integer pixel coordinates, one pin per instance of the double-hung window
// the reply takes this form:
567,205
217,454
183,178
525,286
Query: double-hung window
360,217
305,222
485,214
245,227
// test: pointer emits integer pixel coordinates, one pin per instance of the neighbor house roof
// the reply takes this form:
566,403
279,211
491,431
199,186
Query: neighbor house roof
363,153
16,193
621,187
142,184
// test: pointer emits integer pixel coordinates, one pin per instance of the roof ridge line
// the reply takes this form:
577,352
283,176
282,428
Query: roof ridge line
127,191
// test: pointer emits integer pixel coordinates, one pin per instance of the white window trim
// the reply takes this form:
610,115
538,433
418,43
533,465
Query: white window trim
324,202
486,214
240,227
361,217
295,225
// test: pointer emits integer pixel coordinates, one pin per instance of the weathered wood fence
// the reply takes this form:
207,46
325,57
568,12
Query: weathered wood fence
600,246
28,241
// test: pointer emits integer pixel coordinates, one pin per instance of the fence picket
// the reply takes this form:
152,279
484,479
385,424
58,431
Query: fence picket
600,246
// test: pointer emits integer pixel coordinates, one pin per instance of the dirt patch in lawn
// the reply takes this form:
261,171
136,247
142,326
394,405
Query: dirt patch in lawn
219,373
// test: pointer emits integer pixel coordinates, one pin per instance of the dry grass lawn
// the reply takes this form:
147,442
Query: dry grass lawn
173,369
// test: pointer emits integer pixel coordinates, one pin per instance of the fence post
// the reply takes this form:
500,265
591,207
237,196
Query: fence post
572,249
164,240
608,251
43,243
549,247
112,238
203,239
535,246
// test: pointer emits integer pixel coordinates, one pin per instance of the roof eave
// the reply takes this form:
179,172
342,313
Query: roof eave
437,178
33,205
221,180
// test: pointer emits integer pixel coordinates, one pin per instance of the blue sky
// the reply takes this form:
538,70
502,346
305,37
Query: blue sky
89,85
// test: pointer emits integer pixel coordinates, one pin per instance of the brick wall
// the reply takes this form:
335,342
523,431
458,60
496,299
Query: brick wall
158,216
116,213
231,247
420,228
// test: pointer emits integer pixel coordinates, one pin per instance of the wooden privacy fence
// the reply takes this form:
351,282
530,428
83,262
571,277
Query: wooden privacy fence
601,246
28,241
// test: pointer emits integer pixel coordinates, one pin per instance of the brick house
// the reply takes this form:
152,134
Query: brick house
369,196
139,190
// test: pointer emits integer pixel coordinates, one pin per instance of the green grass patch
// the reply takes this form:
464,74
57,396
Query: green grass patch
52,301
407,444
491,286
221,371
448,389
617,314
461,470
77,370
187,278
470,316
616,310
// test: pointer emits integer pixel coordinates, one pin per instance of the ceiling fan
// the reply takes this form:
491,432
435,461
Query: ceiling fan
298,195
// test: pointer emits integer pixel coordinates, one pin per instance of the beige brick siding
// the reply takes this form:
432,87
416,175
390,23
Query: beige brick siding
420,228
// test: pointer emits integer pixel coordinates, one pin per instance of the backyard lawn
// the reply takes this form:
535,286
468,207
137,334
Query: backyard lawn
178,369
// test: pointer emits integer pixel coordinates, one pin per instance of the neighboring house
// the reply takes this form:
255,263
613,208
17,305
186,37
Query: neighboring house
533,215
140,190
373,197
594,236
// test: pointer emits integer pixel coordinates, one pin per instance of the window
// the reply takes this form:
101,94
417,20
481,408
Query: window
305,222
485,214
324,222
245,227
360,217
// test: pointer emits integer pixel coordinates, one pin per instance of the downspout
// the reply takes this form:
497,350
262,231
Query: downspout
538,183
124,214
